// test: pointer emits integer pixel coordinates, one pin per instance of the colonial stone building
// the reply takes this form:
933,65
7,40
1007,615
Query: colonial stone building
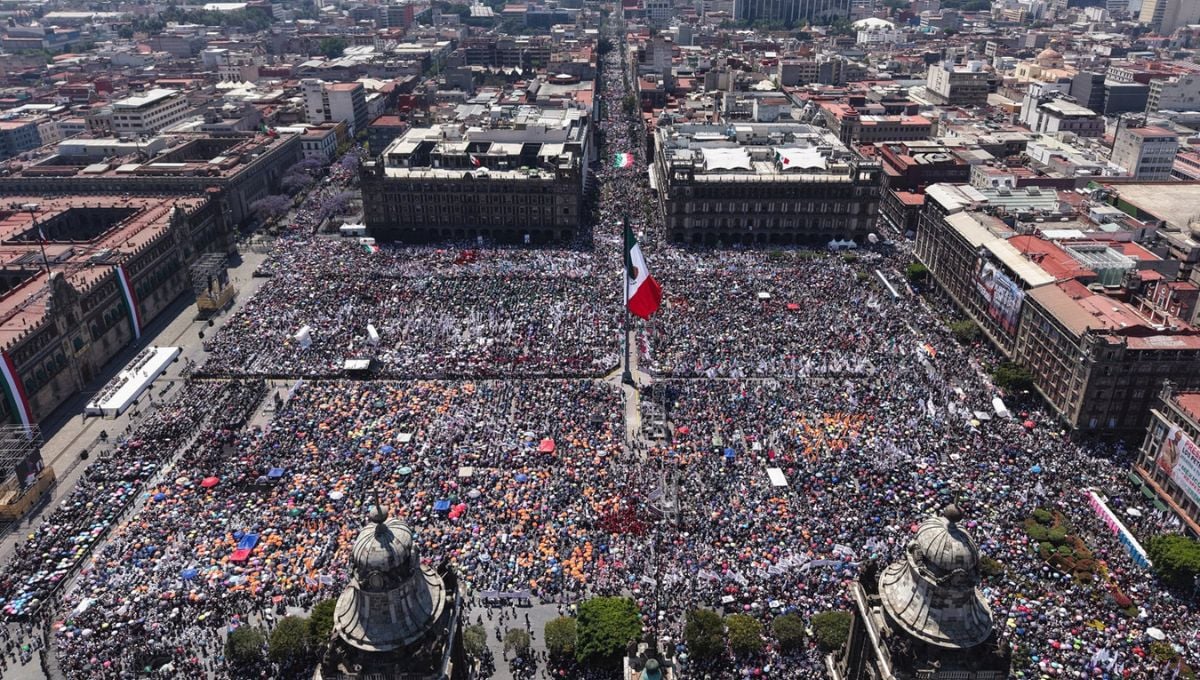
519,184
759,183
64,312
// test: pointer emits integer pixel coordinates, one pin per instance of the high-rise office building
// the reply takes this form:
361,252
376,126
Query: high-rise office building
1164,16
335,103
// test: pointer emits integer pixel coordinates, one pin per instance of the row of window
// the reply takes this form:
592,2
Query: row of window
417,213
823,207
826,225
833,192
471,199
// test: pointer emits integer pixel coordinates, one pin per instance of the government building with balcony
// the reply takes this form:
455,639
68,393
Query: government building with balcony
762,184
518,183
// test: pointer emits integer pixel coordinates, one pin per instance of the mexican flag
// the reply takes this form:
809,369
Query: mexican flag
14,389
129,297
643,295
623,160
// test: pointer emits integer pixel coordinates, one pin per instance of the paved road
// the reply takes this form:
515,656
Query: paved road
67,434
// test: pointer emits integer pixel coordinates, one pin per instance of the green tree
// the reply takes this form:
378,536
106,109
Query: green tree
841,26
704,633
1057,536
1012,377
1176,559
789,631
916,272
332,47
560,637
474,640
244,645
831,629
990,567
306,10
320,621
745,634
517,641
603,627
965,331
290,640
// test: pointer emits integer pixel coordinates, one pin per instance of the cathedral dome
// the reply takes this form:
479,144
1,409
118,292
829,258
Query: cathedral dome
392,600
388,548
944,546
1049,56
933,594
872,24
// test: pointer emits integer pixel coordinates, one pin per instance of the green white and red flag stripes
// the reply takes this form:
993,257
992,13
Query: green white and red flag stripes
643,295
14,389
131,301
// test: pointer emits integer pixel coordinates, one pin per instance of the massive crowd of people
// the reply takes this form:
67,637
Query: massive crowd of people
491,433
447,313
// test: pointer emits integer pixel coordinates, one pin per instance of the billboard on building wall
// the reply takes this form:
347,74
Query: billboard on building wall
1179,458
1002,296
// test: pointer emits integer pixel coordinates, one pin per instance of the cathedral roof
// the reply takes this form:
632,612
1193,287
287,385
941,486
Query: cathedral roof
933,594
392,601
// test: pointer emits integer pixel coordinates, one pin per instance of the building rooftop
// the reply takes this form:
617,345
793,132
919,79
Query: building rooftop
151,97
1173,202
116,227
535,143
1189,403
171,155
1151,131
1079,309
1067,108
1054,260
761,151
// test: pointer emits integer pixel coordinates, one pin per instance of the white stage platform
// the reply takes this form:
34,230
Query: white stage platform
124,389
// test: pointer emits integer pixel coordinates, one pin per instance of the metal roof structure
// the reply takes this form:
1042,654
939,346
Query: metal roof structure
16,446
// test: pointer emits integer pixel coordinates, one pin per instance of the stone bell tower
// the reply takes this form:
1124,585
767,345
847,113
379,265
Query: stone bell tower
397,618
924,617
